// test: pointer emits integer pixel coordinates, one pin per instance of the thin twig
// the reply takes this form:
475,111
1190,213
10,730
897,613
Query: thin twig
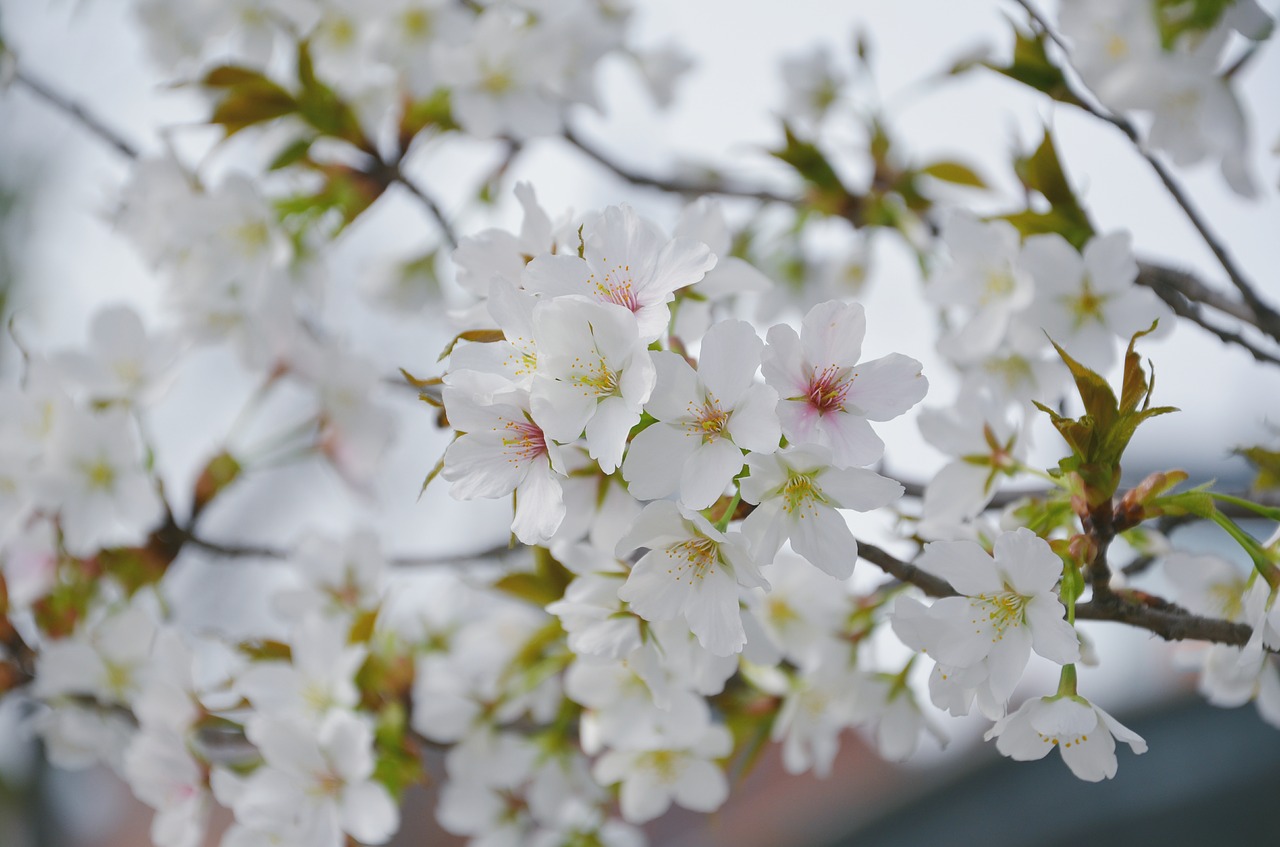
1265,317
1242,60
1157,277
674,185
1186,308
446,229
255,551
76,112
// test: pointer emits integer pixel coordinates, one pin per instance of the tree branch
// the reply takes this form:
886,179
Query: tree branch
253,551
76,112
398,175
674,185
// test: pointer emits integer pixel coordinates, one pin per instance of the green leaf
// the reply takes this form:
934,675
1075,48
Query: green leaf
1042,172
529,587
1180,17
320,106
435,112
252,103
232,76
1099,437
1267,464
1269,512
1031,66
293,153
481,336
827,193
954,172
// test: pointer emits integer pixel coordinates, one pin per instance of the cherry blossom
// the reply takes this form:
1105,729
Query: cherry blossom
705,420
1008,607
827,395
692,570
799,491
627,261
1084,733
502,450
593,375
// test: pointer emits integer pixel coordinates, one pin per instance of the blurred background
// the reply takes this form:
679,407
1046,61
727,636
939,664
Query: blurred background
1209,773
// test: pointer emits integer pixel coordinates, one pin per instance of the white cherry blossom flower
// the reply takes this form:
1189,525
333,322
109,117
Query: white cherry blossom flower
502,450
499,254
123,361
97,480
705,420
983,284
799,493
105,659
1086,302
340,576
1084,733
165,776
828,397
593,375
653,779
318,678
320,778
490,370
984,444
501,78
627,261
886,706
693,571
1008,607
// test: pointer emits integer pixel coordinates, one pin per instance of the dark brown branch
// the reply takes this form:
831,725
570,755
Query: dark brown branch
932,585
76,112
674,185
1170,622
1161,278
1189,309
1159,617
254,551
433,208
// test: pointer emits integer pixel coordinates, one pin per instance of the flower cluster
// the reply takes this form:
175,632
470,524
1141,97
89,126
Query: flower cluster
1157,59
506,68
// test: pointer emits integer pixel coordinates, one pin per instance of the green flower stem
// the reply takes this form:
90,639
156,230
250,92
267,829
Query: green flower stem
1067,682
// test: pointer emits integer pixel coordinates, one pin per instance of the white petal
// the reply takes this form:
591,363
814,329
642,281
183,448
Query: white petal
729,359
823,538
368,813
753,424
887,387
702,787
1028,561
832,333
708,471
964,564
859,489
656,459
1054,638
539,505
607,432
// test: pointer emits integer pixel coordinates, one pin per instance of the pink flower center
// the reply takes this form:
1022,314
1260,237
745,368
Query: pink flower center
828,388
523,441
616,287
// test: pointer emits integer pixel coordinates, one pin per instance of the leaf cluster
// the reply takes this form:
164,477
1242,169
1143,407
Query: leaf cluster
1099,437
